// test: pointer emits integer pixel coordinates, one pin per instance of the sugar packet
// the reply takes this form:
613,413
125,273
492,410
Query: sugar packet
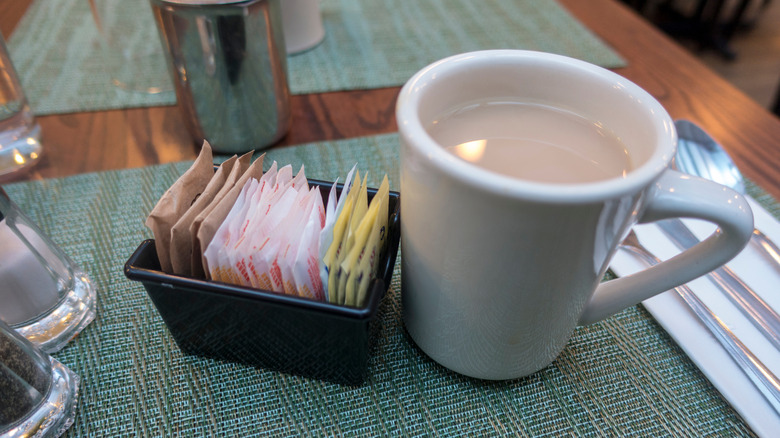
182,244
269,238
238,169
223,206
334,254
332,212
175,202
306,269
361,263
359,208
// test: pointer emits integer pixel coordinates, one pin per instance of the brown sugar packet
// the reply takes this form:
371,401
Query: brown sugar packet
181,238
176,200
196,265
214,219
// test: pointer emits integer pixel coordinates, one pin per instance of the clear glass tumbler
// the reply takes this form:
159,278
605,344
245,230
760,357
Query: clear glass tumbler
45,296
37,393
130,44
20,144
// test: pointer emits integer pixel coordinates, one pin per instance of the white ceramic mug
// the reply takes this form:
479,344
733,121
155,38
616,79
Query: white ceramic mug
497,271
302,25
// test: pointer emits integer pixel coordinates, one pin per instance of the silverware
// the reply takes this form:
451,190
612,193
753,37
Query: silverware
761,376
751,304
699,154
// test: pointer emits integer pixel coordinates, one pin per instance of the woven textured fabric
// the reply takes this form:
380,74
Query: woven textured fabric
623,376
368,44
765,199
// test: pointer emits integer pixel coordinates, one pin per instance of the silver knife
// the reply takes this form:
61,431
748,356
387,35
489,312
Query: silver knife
758,373
756,309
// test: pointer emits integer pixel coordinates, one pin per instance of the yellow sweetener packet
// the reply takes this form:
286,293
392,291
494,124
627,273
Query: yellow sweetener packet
375,246
348,240
358,211
361,258
339,230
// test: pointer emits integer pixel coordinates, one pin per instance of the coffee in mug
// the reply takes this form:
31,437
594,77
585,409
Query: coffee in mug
531,141
505,243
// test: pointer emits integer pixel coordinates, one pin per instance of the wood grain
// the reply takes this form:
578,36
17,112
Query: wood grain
11,11
104,140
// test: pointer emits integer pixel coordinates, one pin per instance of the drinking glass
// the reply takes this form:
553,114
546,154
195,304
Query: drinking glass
302,25
130,45
38,393
45,296
20,135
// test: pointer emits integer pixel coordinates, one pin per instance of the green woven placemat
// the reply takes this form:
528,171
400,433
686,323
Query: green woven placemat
368,44
623,376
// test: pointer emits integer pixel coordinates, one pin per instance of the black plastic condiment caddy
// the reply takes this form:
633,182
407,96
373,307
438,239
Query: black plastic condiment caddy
268,329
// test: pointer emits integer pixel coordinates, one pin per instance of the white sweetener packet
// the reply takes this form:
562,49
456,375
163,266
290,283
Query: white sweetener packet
279,235
333,210
215,253
270,238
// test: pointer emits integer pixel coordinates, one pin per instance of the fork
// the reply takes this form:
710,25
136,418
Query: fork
761,376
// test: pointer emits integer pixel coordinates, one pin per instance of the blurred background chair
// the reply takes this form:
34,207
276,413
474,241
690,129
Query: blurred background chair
709,23
739,39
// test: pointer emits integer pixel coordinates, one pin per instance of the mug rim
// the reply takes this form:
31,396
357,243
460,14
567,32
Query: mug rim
414,134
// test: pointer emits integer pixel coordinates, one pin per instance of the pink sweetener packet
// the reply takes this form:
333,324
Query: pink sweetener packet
291,238
305,266
269,243
226,232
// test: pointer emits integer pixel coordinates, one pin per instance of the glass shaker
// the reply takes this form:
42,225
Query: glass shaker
45,296
37,393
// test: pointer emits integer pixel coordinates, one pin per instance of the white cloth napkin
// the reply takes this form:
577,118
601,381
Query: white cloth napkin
696,340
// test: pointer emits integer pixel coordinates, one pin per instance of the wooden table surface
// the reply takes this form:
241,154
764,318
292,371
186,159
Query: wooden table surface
104,140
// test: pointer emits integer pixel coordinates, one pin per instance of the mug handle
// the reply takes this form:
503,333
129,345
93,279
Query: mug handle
679,195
